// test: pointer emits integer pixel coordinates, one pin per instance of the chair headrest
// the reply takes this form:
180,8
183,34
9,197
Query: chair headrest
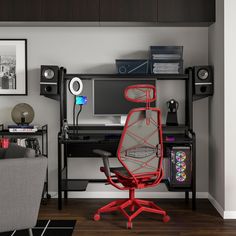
140,93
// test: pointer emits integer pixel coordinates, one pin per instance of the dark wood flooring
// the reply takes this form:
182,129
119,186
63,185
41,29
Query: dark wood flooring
184,222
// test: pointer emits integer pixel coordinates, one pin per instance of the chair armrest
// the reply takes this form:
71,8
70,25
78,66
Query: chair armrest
102,153
105,157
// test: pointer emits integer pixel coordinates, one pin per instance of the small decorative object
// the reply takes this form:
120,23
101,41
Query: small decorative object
172,119
22,114
13,67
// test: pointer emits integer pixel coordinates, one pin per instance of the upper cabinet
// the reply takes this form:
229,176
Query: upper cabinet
128,10
186,11
23,10
166,12
69,10
49,10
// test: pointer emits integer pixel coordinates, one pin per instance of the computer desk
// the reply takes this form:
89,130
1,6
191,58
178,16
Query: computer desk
80,142
89,137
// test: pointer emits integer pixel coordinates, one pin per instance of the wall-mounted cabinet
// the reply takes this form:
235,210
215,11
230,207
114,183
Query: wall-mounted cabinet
49,10
23,10
169,12
186,11
128,10
70,10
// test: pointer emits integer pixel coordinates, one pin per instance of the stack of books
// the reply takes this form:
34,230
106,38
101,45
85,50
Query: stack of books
22,128
166,68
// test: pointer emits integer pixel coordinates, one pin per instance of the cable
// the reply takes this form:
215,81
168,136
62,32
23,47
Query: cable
74,113
77,117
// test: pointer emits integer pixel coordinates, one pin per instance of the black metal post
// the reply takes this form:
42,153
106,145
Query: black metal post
59,174
66,168
194,172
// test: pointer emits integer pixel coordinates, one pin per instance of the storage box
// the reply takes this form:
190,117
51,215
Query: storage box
166,52
132,66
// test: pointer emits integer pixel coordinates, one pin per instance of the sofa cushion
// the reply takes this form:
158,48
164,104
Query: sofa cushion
16,151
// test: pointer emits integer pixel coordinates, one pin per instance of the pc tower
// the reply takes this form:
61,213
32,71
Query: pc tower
179,166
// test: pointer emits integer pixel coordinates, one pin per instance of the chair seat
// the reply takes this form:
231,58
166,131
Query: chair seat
123,173
120,171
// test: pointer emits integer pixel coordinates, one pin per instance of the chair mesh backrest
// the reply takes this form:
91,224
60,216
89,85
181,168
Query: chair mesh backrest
140,148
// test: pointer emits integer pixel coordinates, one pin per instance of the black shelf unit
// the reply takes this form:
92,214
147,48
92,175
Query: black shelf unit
81,140
42,132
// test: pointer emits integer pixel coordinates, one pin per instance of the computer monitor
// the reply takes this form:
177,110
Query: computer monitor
108,96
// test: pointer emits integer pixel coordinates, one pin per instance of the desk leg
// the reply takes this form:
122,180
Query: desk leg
59,177
194,200
186,196
66,168
194,174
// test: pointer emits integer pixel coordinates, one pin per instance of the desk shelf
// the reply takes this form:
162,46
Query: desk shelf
129,76
175,189
74,185
41,131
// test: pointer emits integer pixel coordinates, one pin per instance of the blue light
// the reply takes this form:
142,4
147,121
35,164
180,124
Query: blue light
81,100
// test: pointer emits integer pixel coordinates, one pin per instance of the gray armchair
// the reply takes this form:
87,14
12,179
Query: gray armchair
22,178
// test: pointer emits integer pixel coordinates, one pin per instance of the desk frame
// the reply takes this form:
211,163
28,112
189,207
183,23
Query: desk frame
65,184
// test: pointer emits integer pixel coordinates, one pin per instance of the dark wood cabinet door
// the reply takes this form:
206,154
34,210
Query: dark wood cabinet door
186,11
20,10
128,10
49,10
70,10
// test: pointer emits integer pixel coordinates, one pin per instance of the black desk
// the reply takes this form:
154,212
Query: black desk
81,141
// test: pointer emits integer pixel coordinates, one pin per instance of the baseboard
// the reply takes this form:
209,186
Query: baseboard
230,215
122,194
217,206
226,215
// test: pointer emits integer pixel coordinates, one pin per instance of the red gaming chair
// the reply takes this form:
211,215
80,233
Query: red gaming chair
140,153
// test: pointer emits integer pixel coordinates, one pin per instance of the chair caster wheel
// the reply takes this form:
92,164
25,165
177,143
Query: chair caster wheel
129,225
96,217
166,219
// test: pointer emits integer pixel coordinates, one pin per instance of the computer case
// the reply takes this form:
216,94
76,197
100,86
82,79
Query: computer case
179,166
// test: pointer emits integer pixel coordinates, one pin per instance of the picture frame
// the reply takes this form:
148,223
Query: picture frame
13,67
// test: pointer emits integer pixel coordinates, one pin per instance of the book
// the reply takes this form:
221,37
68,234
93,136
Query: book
20,126
23,130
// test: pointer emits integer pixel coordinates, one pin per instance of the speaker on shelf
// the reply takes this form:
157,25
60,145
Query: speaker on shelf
203,80
49,80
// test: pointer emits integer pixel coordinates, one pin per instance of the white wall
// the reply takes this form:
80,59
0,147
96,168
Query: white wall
94,50
216,108
229,104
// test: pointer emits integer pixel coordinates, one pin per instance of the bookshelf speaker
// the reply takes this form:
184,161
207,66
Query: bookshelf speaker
203,80
49,80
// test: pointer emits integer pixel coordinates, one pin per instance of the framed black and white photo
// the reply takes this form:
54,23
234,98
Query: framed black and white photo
13,67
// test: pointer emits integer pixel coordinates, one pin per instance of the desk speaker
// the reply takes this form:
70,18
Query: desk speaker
203,80
49,80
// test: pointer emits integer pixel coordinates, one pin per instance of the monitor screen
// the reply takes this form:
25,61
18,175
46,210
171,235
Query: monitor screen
108,96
